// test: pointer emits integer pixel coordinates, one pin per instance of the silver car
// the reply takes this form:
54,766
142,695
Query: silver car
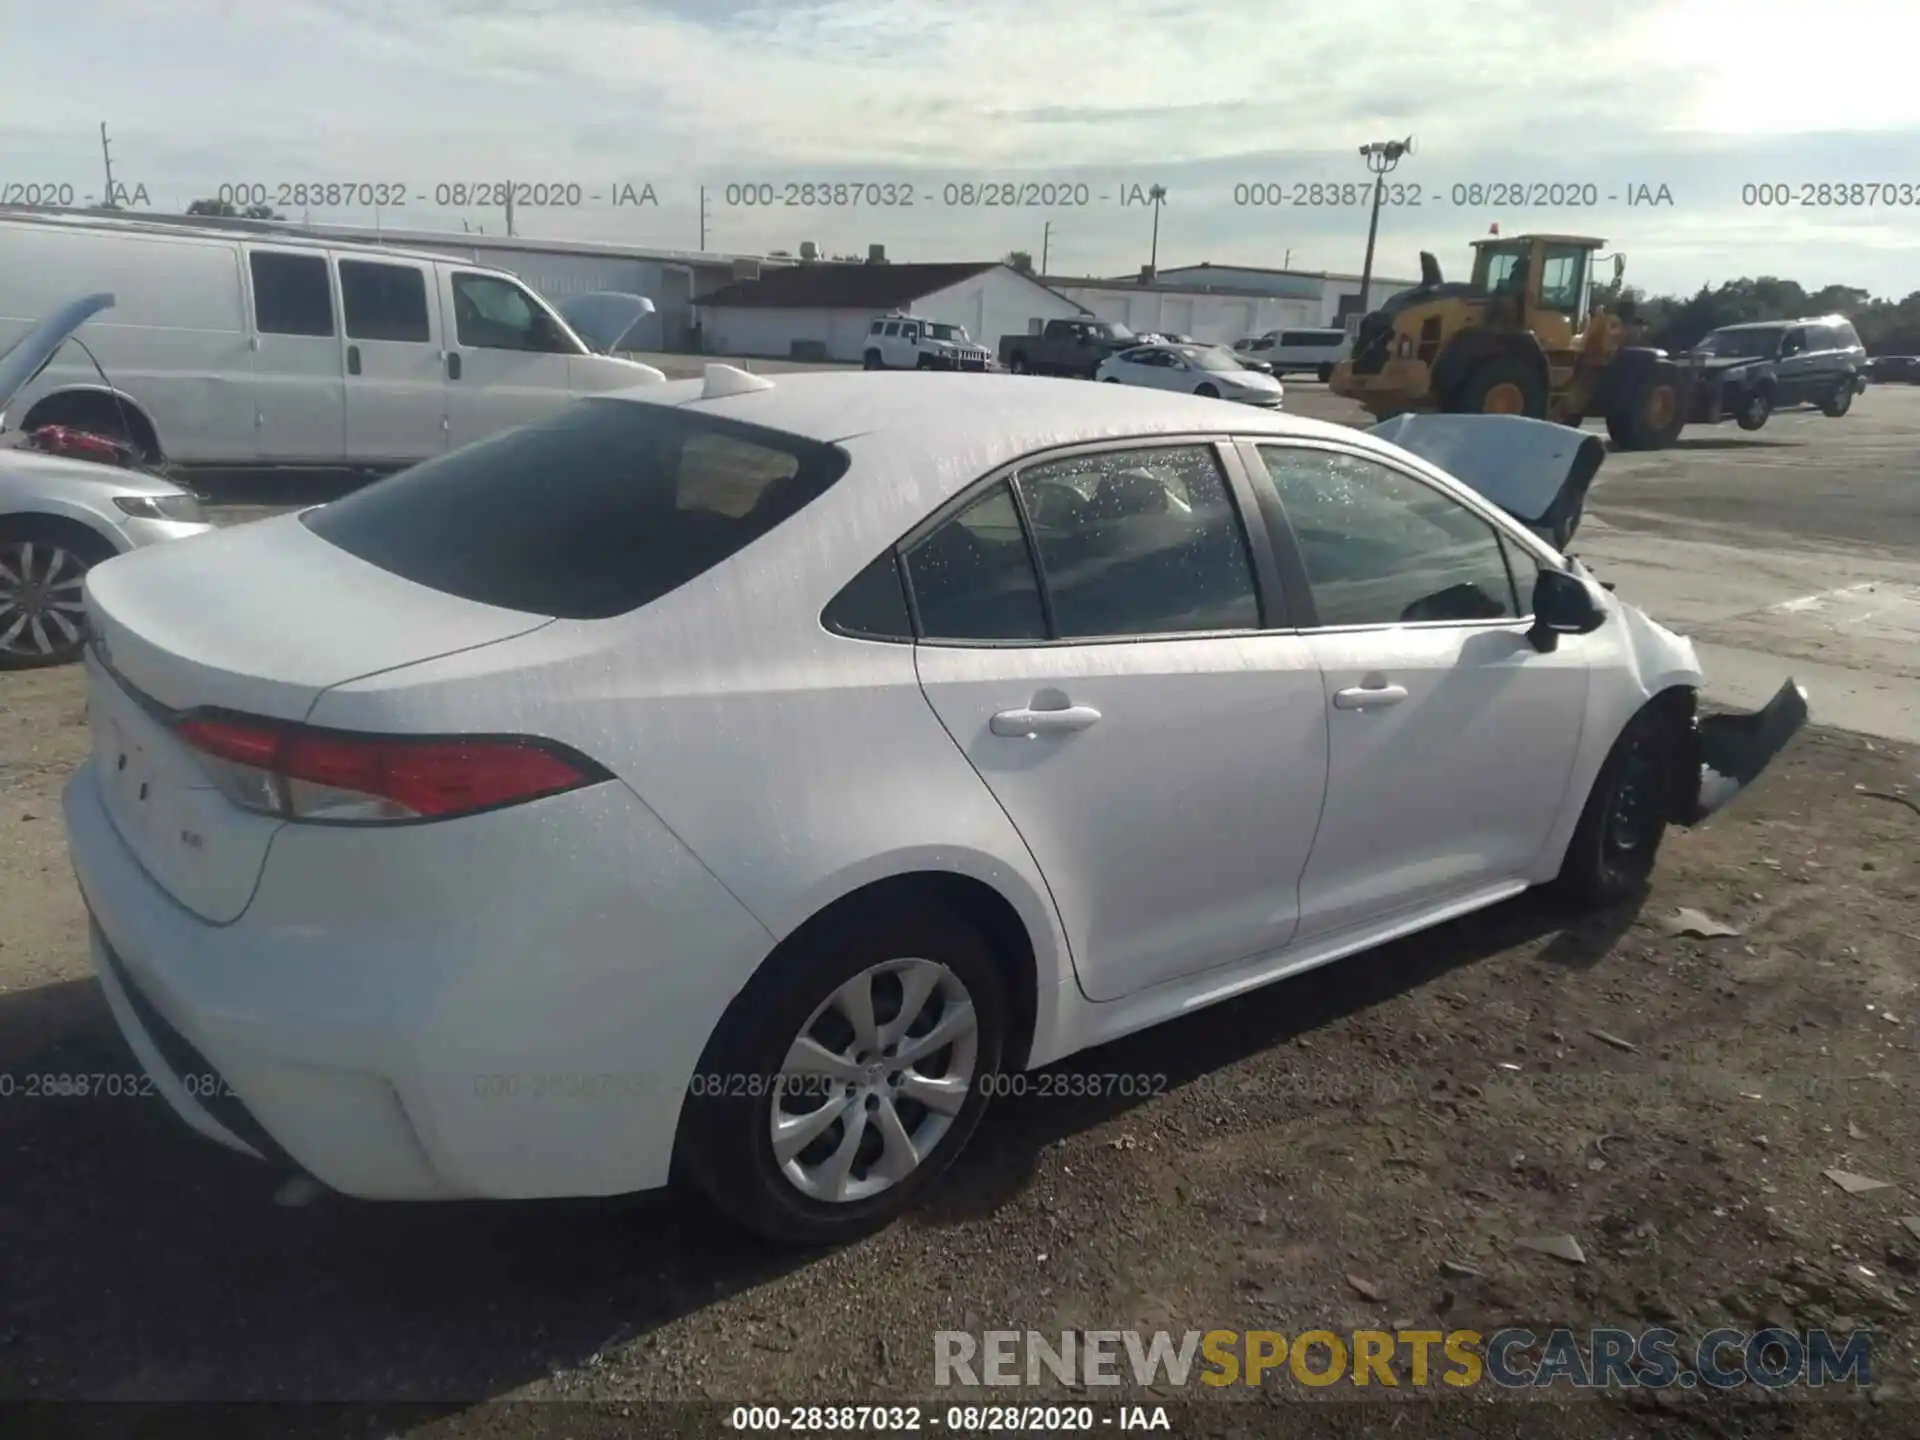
61,516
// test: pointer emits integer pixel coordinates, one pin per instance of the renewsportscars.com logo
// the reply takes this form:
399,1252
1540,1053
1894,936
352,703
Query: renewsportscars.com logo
1511,1359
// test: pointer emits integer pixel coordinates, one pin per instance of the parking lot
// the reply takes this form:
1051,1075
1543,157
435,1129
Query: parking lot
1360,1147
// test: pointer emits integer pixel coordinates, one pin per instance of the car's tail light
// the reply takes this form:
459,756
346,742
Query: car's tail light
301,773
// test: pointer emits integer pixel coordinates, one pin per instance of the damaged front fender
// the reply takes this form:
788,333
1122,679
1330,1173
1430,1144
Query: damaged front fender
1720,754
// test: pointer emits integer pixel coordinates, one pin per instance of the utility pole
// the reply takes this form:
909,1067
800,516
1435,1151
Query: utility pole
106,154
1381,156
1157,194
1046,239
703,217
509,207
1289,260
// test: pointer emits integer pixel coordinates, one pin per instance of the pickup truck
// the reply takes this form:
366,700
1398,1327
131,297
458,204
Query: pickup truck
1066,347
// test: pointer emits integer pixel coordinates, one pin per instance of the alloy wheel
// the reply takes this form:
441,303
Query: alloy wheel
874,1080
41,610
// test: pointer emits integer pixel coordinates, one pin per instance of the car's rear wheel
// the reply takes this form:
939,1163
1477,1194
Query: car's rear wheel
1839,401
847,1076
1325,373
43,565
1617,839
1210,390
1653,416
871,361
1110,379
1754,409
1018,365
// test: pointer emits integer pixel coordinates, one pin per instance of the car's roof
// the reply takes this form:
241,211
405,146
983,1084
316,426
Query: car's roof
1781,324
990,419
213,232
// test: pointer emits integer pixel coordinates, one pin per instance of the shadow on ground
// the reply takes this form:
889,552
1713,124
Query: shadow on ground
146,1264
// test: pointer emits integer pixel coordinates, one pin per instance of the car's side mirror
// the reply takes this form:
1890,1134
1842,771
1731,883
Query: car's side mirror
1562,605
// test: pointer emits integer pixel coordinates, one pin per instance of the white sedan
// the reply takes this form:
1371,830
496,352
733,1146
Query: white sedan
1209,370
736,780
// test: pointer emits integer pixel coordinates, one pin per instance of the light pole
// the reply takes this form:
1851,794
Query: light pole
1381,156
1046,242
1157,194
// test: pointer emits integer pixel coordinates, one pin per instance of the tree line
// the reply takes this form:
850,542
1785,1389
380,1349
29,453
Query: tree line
1886,327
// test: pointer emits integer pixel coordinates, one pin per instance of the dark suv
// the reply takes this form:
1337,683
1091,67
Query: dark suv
1749,371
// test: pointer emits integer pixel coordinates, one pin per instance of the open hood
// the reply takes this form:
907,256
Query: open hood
29,355
604,318
1536,471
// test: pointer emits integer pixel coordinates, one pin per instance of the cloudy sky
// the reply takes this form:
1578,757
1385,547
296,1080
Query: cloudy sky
1223,102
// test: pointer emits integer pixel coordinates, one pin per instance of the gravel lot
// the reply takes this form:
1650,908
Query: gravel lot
1430,1102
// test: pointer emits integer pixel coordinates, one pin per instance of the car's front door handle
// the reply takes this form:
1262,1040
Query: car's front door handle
1044,722
1363,698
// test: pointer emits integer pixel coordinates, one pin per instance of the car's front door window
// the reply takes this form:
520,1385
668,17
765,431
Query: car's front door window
1382,548
494,314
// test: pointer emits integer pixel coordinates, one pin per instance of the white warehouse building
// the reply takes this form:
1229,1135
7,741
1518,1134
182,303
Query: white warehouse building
1221,304
821,311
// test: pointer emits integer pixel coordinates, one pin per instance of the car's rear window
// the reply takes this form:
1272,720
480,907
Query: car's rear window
593,512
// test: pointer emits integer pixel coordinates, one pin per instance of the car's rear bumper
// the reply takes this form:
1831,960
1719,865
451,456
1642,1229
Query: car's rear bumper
422,1015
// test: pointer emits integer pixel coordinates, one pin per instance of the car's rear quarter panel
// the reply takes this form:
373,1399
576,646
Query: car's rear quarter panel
798,765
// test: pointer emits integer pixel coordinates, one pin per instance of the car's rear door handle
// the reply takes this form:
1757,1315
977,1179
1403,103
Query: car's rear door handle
1044,722
1363,698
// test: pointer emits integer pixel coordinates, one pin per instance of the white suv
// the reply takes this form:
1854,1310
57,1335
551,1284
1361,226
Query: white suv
905,342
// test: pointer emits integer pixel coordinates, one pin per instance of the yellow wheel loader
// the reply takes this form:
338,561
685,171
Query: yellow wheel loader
1524,336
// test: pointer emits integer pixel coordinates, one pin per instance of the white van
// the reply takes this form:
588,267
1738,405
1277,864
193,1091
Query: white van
226,347
1292,352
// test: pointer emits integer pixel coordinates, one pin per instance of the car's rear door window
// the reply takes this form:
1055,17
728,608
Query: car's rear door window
972,577
592,512
292,294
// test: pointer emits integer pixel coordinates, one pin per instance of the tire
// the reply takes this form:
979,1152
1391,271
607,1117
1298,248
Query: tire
727,1142
921,362
1839,401
53,557
1325,372
1609,860
1754,409
1647,422
1109,380
871,361
1018,365
1502,383
1208,389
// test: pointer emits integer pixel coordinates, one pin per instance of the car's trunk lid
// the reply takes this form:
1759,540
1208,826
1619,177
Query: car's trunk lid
260,619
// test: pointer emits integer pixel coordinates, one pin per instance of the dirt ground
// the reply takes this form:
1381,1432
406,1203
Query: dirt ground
1425,1104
